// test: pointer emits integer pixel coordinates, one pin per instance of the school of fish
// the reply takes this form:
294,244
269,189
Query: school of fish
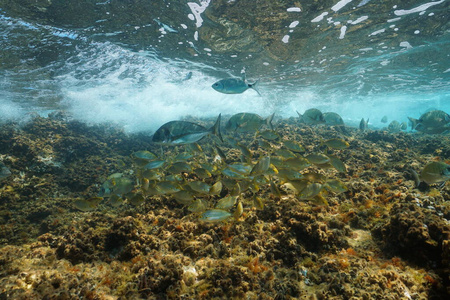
210,180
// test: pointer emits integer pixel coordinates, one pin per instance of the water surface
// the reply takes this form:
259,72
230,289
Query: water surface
124,62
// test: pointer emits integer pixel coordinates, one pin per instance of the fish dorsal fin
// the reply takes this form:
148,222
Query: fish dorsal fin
167,132
269,121
216,128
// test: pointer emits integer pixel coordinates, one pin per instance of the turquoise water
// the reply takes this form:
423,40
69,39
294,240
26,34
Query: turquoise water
124,62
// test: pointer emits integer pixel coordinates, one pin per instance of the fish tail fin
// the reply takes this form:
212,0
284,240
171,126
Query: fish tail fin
414,122
300,116
216,128
269,121
253,86
416,177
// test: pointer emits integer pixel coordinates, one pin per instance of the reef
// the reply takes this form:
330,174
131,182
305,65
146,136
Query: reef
383,238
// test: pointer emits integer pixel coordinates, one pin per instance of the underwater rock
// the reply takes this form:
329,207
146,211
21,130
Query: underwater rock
416,234
314,235
160,277
286,247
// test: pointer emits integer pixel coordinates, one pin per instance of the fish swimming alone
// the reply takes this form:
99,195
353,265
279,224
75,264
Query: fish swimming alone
234,85
183,132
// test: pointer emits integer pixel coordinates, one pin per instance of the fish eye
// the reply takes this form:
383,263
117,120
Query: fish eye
216,84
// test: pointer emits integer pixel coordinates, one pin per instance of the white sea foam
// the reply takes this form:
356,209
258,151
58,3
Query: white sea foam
377,32
359,20
420,8
363,2
294,24
198,9
343,29
148,108
319,17
154,95
10,111
394,20
406,45
340,5
140,91
294,9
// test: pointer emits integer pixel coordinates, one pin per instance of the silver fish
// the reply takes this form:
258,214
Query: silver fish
234,85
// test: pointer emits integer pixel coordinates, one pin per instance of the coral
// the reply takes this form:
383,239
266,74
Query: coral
290,249
416,233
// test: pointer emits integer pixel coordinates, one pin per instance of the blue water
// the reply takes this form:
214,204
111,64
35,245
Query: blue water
361,59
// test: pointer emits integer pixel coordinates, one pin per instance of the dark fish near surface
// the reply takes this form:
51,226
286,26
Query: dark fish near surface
332,118
364,125
234,85
243,122
183,132
312,116
394,127
435,121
